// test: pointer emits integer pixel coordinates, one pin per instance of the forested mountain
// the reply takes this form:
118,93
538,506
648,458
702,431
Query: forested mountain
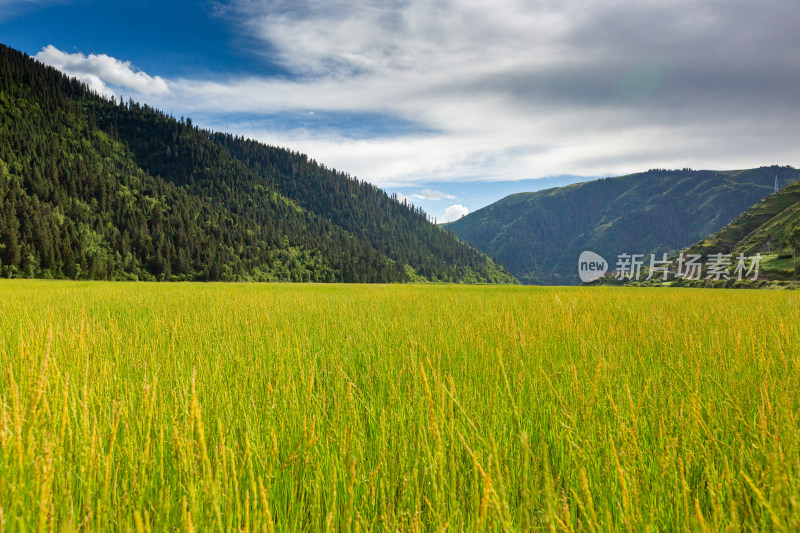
770,228
539,236
98,189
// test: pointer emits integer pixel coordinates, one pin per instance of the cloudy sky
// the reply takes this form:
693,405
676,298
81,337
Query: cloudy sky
451,103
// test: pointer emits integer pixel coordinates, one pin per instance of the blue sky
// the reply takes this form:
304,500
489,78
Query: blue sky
452,104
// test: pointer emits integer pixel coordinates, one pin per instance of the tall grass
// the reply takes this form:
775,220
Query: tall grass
283,408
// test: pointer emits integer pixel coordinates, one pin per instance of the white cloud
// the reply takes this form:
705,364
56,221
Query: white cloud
431,194
454,212
516,89
103,73
428,194
506,90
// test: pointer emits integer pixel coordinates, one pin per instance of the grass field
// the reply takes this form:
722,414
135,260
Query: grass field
281,407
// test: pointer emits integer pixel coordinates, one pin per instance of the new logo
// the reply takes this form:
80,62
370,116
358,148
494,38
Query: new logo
591,266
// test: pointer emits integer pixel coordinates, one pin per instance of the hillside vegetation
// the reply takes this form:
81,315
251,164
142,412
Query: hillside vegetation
539,236
98,189
770,228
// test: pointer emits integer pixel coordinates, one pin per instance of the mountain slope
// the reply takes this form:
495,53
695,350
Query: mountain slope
92,189
764,228
539,236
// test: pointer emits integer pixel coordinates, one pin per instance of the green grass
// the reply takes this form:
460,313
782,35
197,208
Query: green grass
304,407
774,266
763,228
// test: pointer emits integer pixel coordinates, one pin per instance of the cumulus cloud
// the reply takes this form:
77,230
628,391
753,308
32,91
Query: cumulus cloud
103,73
454,212
517,89
511,89
429,194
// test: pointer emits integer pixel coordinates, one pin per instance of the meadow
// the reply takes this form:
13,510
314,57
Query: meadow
267,407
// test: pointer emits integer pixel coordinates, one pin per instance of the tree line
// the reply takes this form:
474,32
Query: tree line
97,189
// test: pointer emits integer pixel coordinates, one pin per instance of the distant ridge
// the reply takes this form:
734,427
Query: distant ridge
538,236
